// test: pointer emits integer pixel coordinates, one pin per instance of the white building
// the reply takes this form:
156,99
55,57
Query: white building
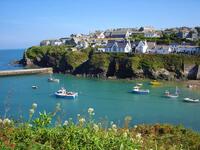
45,43
118,46
151,34
141,47
82,44
51,43
161,49
188,49
100,35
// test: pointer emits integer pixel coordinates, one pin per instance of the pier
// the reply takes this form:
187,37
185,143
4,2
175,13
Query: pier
26,72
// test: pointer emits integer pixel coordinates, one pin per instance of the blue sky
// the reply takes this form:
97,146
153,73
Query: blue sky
24,23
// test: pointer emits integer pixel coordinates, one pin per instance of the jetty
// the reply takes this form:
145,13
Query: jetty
26,72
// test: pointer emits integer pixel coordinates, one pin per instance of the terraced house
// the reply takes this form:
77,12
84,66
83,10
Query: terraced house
118,46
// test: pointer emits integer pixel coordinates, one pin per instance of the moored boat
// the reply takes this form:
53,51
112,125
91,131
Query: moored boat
169,95
137,90
190,100
34,87
63,93
155,82
51,79
139,84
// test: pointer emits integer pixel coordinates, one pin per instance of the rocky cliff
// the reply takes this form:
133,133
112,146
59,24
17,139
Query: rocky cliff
89,63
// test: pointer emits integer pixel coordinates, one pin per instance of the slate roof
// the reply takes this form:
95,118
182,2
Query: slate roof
120,44
118,34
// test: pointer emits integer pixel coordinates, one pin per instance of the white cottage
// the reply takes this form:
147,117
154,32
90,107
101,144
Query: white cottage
141,47
118,46
82,44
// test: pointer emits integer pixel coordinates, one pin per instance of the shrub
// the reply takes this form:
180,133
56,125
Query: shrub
40,133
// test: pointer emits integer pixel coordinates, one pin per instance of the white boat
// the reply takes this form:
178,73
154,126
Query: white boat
189,86
190,100
51,79
63,93
139,84
169,95
137,90
34,87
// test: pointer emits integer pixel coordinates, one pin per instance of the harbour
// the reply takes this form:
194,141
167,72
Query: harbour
17,96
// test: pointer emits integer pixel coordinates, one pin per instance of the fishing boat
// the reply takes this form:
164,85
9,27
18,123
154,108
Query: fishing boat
137,90
63,93
155,82
190,100
169,95
34,87
51,79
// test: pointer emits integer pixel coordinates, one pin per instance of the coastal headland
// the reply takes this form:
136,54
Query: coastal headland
87,62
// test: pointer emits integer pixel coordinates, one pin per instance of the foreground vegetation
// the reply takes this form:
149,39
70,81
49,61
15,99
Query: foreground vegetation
86,134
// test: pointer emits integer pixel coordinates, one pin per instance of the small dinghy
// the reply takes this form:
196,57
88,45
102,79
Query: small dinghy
137,90
51,79
63,93
34,87
190,100
139,84
169,95
155,83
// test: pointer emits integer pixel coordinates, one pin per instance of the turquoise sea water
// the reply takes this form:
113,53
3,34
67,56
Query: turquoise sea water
110,99
7,57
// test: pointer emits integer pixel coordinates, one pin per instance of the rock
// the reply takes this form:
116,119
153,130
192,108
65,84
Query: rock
162,74
198,73
191,71
29,62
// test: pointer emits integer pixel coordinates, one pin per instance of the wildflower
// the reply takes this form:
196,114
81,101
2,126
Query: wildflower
96,127
125,134
132,139
31,111
114,127
139,135
82,120
78,115
135,126
65,123
1,121
34,105
30,125
91,111
6,121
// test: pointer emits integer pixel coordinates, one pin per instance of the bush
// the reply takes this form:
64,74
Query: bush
40,133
